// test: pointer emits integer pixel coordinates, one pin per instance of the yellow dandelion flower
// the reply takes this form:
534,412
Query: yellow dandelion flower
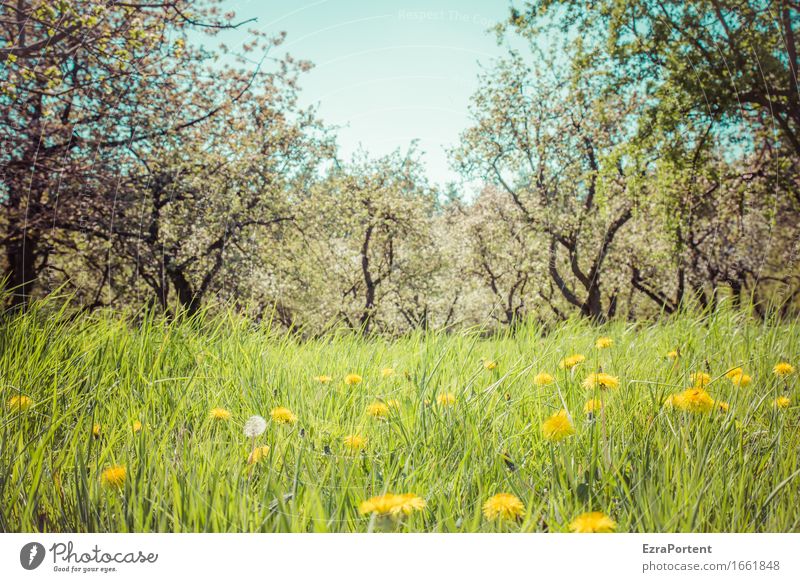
378,410
282,415
700,379
781,402
503,506
387,372
352,379
96,430
571,361
114,476
722,406
392,504
219,414
258,454
741,380
592,406
19,403
557,427
489,364
695,400
783,369
137,426
734,372
322,379
603,343
543,379
355,442
672,354
593,522
601,380
446,399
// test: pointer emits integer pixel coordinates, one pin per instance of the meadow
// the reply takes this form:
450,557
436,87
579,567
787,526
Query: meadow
115,424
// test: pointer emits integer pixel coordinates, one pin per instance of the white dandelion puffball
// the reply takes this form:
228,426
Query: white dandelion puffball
254,426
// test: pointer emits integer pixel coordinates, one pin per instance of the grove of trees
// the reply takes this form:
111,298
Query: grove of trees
635,159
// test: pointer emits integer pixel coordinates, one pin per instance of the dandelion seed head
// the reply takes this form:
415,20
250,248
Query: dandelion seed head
254,426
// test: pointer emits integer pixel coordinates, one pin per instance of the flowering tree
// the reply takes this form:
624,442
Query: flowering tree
561,154
81,82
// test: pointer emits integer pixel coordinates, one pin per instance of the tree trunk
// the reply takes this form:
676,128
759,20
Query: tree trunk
21,270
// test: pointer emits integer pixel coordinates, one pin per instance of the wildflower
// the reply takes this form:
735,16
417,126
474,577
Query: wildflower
672,354
355,442
695,400
19,403
282,415
601,380
352,379
542,379
489,364
722,406
392,504
603,343
741,380
700,379
734,372
96,430
446,399
503,506
593,406
571,361
593,522
781,402
137,426
387,373
783,369
322,379
219,414
254,426
378,410
557,427
114,476
257,454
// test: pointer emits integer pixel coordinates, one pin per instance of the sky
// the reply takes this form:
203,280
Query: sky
386,72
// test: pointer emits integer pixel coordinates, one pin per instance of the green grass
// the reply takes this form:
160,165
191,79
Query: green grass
650,469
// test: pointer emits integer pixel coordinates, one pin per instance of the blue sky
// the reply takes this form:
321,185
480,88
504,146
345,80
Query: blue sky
386,72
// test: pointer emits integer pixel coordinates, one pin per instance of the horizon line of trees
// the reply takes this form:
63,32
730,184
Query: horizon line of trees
651,166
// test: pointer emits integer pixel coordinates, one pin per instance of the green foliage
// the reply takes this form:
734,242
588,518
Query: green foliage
649,468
